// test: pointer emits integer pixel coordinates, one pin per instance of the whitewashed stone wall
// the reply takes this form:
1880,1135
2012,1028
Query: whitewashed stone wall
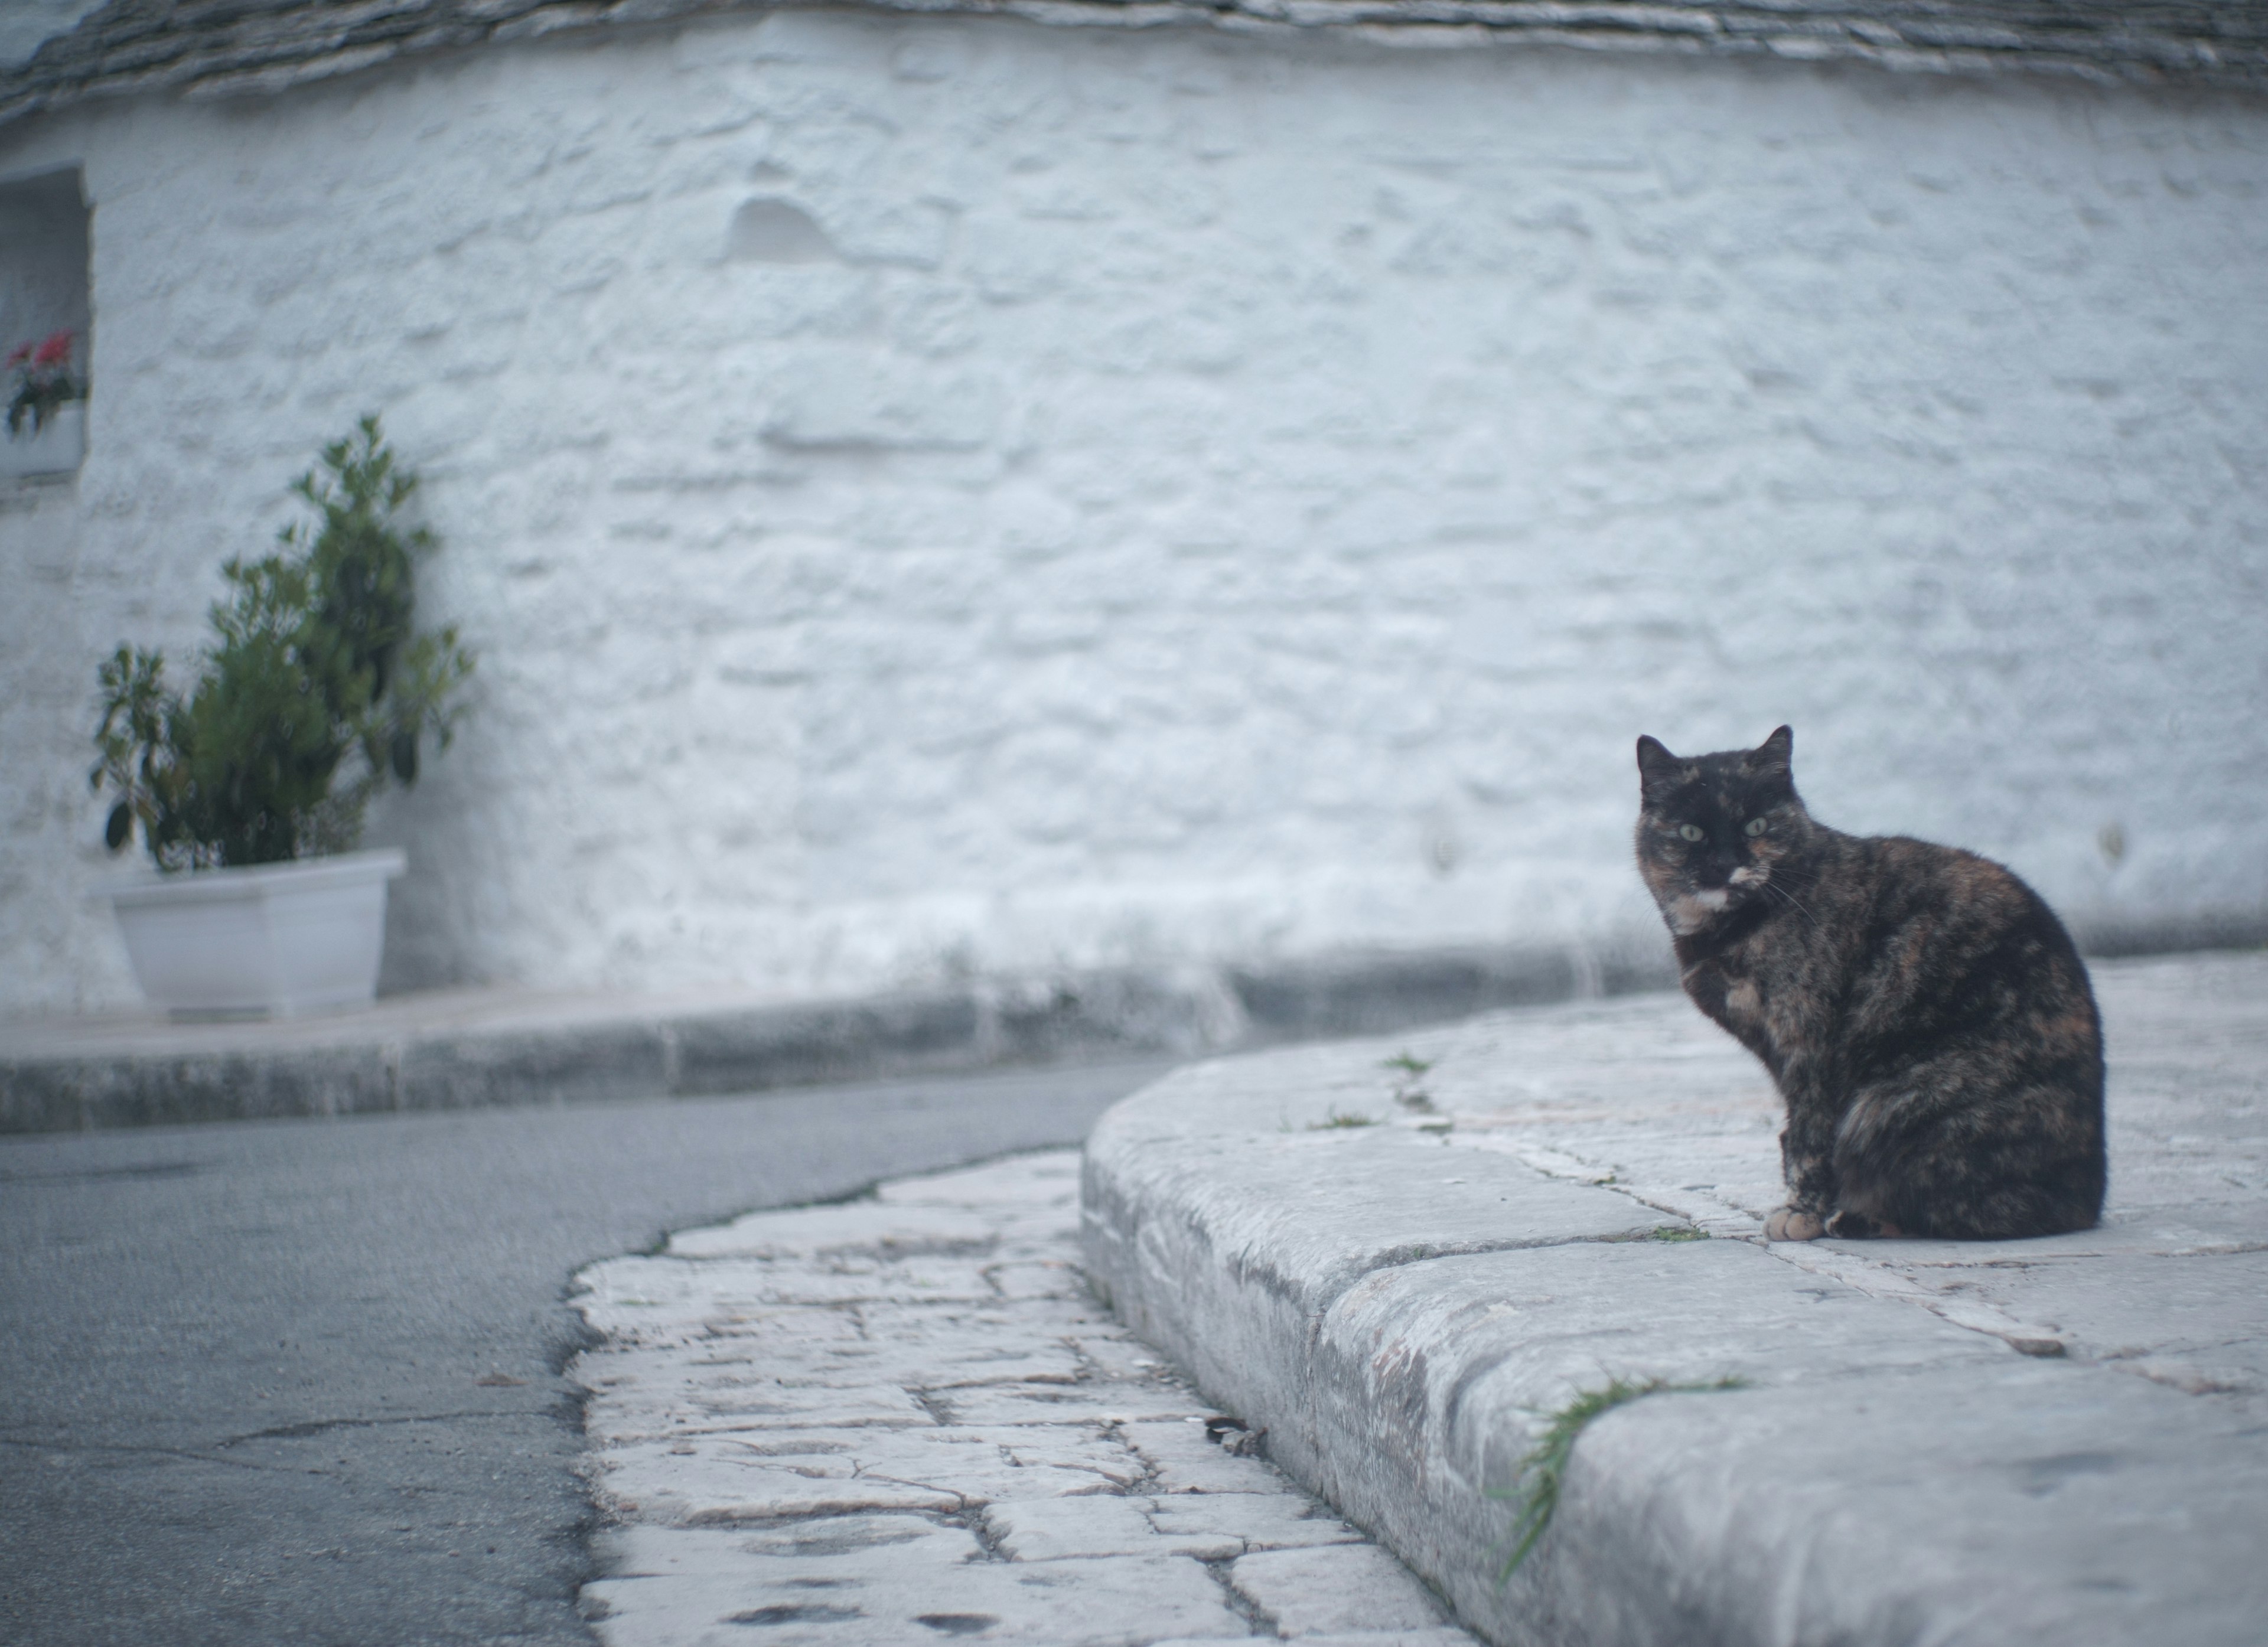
941,495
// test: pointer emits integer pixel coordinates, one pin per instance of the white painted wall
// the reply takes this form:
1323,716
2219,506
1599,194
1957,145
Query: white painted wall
1188,496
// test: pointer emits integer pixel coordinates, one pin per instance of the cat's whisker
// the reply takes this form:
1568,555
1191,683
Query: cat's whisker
1783,892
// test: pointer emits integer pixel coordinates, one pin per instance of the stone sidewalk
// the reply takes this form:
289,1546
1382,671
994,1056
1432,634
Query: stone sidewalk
906,1420
468,1048
1412,1262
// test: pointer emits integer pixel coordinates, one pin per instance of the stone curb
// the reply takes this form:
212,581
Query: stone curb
352,1068
2051,1441
348,1066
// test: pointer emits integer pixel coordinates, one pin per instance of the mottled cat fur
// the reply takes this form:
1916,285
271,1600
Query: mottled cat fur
1925,1016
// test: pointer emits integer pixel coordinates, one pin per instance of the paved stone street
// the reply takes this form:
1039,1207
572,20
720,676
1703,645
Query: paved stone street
300,1384
905,1419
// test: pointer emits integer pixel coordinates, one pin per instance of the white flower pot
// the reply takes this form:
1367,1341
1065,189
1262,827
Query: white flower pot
275,940
55,449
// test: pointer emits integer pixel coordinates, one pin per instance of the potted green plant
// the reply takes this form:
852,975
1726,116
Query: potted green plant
47,409
249,792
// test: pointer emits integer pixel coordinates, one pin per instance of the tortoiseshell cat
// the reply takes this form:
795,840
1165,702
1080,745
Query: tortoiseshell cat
1925,1016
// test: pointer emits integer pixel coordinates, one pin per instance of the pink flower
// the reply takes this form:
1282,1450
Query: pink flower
55,351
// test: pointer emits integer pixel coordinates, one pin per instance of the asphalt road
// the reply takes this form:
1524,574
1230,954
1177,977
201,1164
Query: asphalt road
299,1382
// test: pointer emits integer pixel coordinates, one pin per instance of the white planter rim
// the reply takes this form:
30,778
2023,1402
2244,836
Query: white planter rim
148,888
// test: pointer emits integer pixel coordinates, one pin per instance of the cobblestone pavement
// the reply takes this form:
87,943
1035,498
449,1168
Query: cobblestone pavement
905,1419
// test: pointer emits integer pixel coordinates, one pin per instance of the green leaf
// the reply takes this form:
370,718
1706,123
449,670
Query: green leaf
315,656
116,832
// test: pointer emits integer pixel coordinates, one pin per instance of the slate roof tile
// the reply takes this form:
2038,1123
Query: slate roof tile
245,48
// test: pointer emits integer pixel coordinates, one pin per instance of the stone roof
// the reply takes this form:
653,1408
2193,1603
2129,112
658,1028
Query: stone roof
247,48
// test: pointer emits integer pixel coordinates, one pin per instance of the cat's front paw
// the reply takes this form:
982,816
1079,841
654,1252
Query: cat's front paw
1790,1224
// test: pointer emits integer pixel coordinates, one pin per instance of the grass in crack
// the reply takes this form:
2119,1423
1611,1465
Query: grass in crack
1341,1118
1545,1467
1677,1232
1407,1092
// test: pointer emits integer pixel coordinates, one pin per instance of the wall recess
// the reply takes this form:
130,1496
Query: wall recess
43,292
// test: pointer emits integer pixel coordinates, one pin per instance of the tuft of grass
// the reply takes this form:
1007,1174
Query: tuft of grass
1341,1118
1545,1467
1677,1232
1408,1069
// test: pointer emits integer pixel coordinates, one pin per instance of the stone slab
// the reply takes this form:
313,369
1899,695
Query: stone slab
883,1580
1334,1589
907,1419
1053,1529
1273,1520
2038,1441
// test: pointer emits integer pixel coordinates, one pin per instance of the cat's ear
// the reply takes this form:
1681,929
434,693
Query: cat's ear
1656,765
1775,757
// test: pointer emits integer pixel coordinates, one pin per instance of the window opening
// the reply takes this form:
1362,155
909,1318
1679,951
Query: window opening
45,314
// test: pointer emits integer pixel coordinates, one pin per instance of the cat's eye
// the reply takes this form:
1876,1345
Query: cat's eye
1757,825
1691,832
